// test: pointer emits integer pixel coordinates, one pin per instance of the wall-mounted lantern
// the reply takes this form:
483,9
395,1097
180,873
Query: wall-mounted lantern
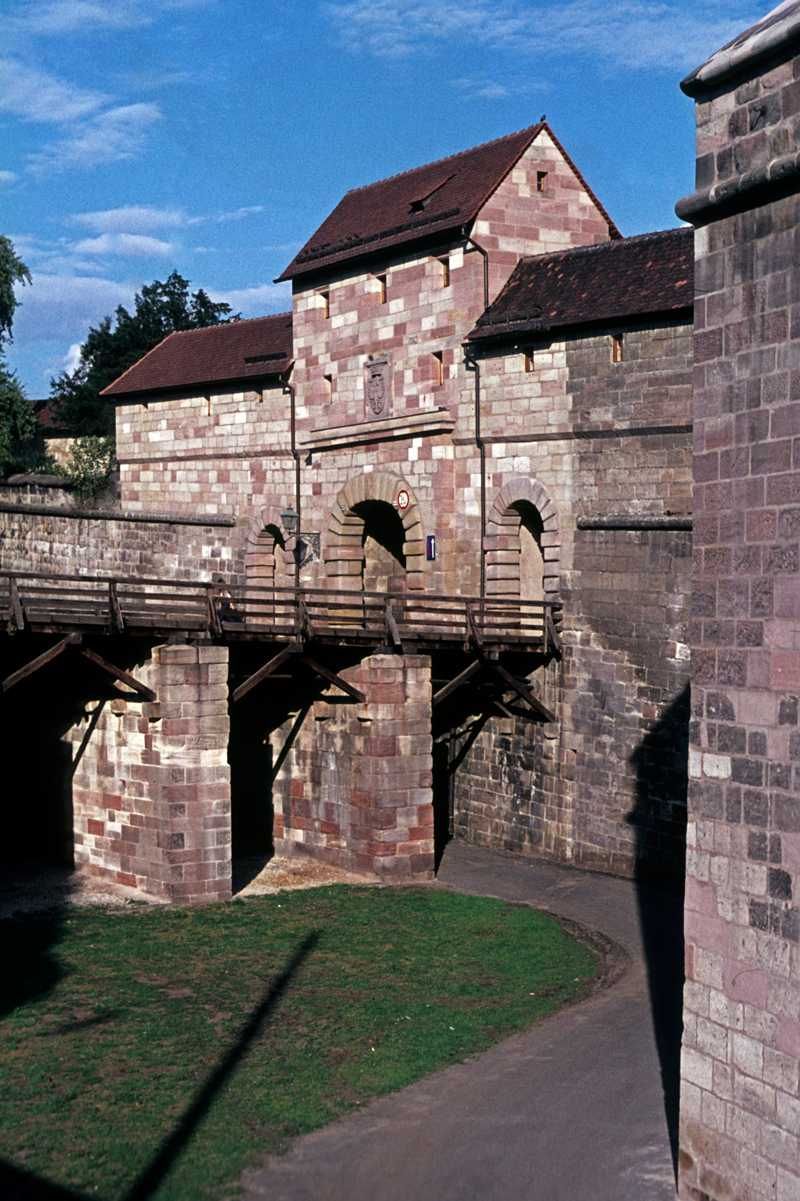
290,521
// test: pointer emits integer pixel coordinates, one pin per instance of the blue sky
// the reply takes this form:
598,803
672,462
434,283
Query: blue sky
214,136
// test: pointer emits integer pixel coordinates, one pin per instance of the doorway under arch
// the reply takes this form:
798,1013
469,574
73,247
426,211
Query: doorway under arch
524,539
372,539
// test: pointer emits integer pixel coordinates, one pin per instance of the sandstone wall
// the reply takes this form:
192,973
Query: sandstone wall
740,1102
151,781
354,782
606,448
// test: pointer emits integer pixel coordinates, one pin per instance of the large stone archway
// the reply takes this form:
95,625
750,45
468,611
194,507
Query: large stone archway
344,552
504,534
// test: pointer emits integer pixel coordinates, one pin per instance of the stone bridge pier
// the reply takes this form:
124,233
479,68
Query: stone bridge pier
351,785
151,790
359,792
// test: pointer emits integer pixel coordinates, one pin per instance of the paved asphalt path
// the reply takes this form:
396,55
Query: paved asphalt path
572,1110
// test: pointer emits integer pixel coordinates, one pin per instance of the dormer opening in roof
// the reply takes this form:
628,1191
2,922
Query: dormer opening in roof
419,205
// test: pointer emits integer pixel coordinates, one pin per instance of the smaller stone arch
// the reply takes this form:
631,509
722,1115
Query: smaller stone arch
505,551
344,552
269,551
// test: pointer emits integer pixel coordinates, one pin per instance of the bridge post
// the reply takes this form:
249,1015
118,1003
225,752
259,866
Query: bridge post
355,789
151,793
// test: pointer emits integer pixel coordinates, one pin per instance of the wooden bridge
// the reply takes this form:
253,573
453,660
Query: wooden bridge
292,618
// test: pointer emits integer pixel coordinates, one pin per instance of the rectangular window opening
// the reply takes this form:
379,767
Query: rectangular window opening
382,281
438,366
541,181
328,388
527,358
616,348
325,297
445,272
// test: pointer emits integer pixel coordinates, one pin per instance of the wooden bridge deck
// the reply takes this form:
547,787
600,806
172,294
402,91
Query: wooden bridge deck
153,608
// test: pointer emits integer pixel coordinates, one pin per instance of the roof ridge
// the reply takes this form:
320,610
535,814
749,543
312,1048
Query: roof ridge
196,329
607,244
448,158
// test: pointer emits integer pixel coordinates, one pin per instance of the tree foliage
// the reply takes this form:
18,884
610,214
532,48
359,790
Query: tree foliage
12,271
117,343
17,422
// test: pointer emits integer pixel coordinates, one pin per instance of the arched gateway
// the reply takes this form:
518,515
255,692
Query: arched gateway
375,538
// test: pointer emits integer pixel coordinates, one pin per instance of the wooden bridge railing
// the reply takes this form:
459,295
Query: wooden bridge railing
40,602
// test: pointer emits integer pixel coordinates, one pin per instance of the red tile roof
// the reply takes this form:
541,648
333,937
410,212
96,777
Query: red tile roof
46,420
609,281
216,354
430,201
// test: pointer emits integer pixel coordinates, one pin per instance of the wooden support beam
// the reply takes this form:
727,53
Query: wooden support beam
117,624
522,691
16,604
264,671
306,625
334,679
391,625
118,674
473,628
551,632
40,661
213,612
460,679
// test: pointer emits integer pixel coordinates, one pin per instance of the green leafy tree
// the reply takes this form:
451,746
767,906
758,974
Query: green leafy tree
90,466
17,422
12,271
117,343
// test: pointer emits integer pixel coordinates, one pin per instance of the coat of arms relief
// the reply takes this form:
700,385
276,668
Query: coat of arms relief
377,388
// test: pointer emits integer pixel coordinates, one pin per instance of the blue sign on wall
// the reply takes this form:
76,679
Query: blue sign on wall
430,547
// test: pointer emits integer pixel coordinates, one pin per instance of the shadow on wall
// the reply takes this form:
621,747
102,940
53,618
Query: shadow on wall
659,818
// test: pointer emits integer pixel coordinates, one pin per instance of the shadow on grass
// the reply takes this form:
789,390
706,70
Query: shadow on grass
16,1185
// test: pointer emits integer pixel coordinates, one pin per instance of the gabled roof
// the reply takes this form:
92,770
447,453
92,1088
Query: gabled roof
610,281
430,201
46,420
216,354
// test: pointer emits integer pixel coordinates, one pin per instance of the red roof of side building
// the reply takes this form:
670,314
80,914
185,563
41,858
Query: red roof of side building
216,354
430,201
609,281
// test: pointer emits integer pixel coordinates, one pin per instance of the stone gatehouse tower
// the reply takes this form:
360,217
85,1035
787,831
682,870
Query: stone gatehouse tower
482,392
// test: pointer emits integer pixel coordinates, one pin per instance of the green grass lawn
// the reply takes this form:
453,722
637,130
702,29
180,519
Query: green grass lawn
158,1052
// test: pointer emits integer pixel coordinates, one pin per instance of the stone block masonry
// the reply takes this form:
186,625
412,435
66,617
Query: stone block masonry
151,801
355,788
740,1100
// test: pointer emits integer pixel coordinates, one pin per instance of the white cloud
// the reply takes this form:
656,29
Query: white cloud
252,302
35,95
107,138
664,34
129,219
126,245
63,307
240,213
488,89
50,18
8,177
72,359
91,132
